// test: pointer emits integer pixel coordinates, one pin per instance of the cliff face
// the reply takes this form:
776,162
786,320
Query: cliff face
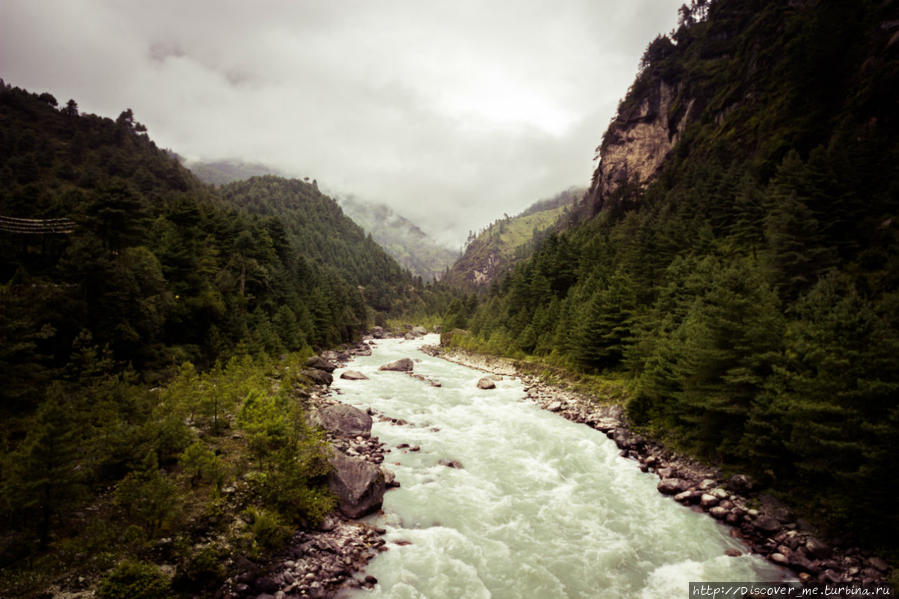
637,142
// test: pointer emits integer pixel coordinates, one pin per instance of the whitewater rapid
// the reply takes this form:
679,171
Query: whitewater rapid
539,507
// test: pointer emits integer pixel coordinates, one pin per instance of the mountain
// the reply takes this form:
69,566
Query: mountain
153,336
317,228
739,261
506,241
402,239
154,341
220,172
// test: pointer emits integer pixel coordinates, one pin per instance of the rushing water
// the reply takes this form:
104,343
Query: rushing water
541,507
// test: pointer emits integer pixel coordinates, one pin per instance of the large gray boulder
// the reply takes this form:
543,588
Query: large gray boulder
358,485
344,420
419,331
321,363
319,377
401,365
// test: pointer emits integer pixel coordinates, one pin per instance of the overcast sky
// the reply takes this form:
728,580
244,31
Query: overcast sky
451,112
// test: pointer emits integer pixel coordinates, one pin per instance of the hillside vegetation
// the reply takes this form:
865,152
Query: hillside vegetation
152,332
506,241
748,288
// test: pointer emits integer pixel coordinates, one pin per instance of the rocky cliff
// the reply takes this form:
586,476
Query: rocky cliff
638,140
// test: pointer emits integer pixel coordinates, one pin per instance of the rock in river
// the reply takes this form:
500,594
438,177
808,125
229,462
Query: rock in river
353,375
486,383
401,365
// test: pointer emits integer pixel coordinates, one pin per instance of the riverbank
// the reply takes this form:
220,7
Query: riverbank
767,526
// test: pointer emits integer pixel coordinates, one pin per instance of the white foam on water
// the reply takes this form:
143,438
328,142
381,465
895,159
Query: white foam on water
541,507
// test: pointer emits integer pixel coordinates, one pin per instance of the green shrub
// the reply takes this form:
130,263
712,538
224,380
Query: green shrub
267,528
134,580
201,567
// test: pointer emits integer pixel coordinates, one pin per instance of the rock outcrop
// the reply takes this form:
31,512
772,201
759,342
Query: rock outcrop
637,142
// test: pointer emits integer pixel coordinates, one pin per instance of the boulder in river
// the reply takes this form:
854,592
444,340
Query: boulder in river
353,375
358,485
317,376
486,383
401,365
344,420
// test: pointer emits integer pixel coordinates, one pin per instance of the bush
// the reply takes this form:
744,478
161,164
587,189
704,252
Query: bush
134,580
267,528
201,568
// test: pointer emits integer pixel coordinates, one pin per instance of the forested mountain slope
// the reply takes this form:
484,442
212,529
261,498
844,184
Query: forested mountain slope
152,337
156,266
401,238
317,227
506,241
741,268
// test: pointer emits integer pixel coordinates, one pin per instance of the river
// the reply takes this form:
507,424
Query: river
539,507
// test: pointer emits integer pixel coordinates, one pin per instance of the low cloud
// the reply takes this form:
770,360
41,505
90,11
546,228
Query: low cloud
452,113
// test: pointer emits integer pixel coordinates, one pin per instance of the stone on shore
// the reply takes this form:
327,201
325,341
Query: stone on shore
344,420
817,549
318,376
486,383
353,375
401,365
708,500
358,485
321,364
719,513
671,486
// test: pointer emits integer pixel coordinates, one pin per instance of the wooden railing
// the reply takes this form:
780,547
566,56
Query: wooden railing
36,226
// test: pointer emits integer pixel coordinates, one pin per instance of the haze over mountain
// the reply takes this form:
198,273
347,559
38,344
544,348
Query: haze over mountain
419,106
401,238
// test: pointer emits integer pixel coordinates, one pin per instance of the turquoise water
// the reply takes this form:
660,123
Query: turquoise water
541,507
